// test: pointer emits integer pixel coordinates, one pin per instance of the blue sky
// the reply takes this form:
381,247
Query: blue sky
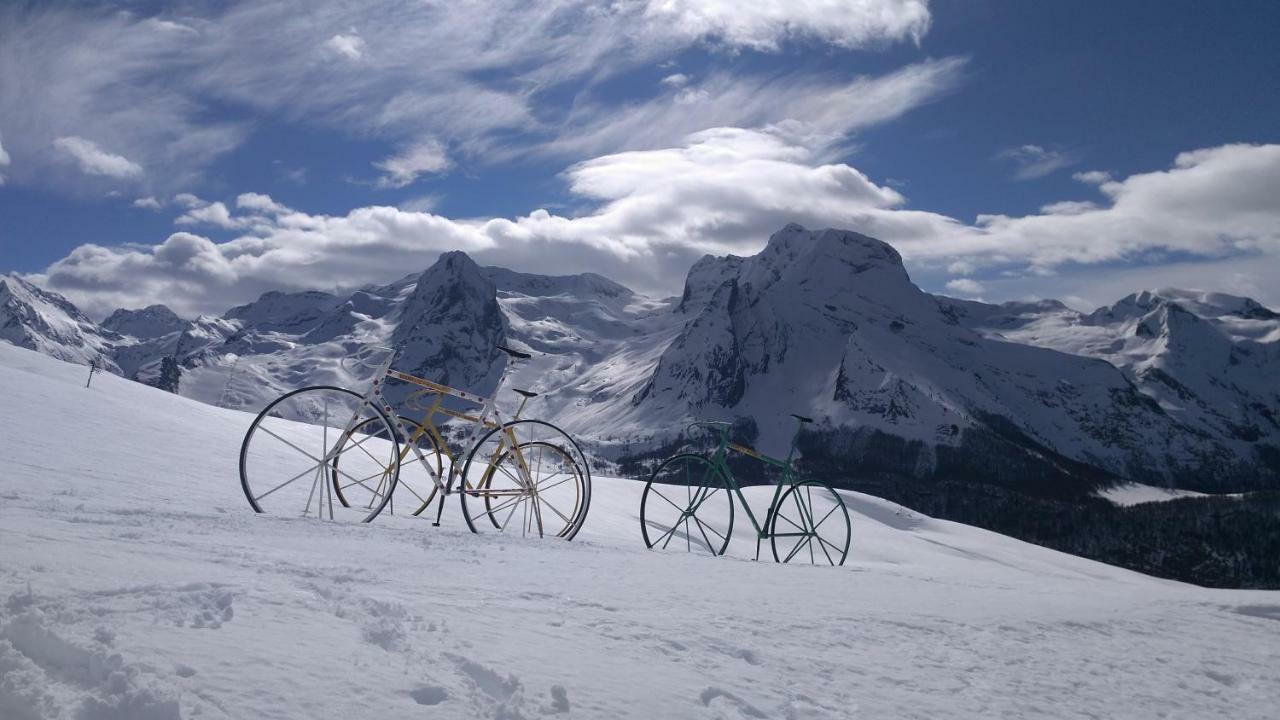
201,153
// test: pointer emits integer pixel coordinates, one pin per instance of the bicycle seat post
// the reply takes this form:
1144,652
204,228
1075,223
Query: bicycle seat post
801,421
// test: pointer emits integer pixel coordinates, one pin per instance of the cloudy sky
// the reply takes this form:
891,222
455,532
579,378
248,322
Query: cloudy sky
199,153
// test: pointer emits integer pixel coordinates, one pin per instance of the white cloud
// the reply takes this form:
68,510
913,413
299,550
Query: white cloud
212,214
691,96
824,109
651,213
187,200
1068,207
118,78
147,203
4,156
1032,161
93,160
764,25
1212,203
260,203
676,80
350,46
420,204
474,75
422,158
966,287
1092,177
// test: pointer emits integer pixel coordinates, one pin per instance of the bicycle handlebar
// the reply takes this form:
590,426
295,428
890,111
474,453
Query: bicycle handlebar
361,358
720,425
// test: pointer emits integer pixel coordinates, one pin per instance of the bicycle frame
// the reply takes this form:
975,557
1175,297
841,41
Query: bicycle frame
488,417
719,461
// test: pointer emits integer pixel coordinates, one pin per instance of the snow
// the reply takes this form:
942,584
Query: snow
1126,494
136,583
1138,493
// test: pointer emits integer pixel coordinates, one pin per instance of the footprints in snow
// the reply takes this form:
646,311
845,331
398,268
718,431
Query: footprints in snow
429,695
47,676
489,693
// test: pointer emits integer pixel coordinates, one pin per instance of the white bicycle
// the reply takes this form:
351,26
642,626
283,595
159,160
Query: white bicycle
326,449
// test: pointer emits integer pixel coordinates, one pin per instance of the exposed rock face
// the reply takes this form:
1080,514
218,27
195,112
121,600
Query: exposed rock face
46,322
449,326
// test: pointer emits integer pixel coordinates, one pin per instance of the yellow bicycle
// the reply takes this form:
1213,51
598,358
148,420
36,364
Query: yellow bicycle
351,453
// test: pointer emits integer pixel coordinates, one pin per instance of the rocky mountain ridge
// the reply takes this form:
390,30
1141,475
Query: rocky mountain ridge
1170,387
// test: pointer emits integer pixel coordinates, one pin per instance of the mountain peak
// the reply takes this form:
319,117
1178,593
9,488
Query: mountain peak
284,312
150,322
49,323
794,240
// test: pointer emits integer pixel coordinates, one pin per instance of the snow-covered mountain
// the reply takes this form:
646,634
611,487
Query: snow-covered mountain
828,324
1170,388
47,322
148,323
1211,361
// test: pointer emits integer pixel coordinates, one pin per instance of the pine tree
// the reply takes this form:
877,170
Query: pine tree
170,375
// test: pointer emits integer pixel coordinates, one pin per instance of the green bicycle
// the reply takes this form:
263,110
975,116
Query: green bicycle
689,500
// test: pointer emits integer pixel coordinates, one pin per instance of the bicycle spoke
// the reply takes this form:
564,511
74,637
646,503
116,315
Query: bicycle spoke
799,545
669,534
653,490
513,512
554,510
362,480
792,524
286,482
822,544
340,471
703,532
567,479
267,430
824,517
717,533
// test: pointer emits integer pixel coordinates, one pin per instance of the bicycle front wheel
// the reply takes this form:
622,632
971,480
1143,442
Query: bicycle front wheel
527,476
810,522
303,455
687,505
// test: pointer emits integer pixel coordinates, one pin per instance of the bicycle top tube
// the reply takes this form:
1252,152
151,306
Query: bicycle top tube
443,389
723,428
436,387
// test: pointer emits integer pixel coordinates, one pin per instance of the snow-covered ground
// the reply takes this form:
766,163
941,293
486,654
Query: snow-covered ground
136,583
1137,493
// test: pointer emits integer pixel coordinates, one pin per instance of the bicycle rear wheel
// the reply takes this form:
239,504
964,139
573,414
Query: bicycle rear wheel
415,488
527,475
810,522
687,505
294,457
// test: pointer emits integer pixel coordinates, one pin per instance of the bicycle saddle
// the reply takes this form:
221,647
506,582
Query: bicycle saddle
802,418
514,353
526,393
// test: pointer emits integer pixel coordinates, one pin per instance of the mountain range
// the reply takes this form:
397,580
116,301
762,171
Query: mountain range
1170,387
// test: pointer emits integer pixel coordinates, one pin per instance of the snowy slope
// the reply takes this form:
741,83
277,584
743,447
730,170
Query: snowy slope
138,584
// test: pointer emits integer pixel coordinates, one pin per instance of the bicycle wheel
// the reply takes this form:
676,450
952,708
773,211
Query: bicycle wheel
287,460
415,489
527,475
811,522
687,505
